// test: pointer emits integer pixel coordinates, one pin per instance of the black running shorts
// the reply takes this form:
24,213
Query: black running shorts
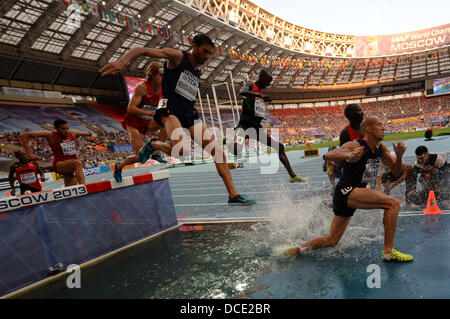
340,207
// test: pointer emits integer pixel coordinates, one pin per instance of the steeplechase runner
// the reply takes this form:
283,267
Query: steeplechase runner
180,83
139,119
363,158
63,145
26,172
253,113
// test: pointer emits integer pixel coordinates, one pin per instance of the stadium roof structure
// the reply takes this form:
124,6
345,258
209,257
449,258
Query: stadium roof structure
83,35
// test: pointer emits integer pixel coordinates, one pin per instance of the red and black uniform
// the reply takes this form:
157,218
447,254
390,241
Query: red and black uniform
149,102
63,149
353,134
27,175
349,134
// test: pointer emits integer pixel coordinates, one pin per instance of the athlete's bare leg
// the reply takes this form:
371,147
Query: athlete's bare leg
219,156
68,167
360,198
365,198
137,142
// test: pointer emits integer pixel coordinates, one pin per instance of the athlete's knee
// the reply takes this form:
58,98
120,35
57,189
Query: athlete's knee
392,203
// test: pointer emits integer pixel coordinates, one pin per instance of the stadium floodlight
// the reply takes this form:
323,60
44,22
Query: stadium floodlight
233,17
329,50
350,51
270,34
308,46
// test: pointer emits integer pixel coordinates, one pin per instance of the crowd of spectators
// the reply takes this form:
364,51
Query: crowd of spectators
399,115
91,153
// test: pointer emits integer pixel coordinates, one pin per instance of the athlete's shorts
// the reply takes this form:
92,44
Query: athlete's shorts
135,122
54,169
249,124
187,119
25,187
340,198
159,114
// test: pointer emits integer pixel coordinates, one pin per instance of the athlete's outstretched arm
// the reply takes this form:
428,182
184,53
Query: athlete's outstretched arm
172,55
25,137
247,91
76,133
350,152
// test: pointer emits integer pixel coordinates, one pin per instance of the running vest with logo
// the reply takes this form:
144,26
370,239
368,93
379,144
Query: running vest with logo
63,149
254,106
180,86
364,171
27,174
149,101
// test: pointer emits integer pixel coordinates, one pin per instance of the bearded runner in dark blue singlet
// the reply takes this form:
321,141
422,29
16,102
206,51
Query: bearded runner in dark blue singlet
362,159
181,80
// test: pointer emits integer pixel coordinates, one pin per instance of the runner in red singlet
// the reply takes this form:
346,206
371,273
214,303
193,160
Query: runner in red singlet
143,115
63,145
355,115
26,172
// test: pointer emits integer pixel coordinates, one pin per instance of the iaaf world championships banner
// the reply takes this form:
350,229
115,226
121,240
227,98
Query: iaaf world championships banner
401,43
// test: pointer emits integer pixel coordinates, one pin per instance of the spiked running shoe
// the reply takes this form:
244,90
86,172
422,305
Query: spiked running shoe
395,255
117,174
146,151
298,179
288,255
240,200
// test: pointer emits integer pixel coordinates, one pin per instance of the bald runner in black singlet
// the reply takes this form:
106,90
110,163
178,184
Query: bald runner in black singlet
362,160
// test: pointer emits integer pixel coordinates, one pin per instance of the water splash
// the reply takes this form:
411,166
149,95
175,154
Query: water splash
303,217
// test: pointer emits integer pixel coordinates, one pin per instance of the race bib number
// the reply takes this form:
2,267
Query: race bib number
162,104
371,172
68,148
260,108
28,178
187,86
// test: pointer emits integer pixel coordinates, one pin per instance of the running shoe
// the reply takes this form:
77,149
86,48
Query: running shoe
297,179
397,256
240,200
117,174
146,151
288,255
158,157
